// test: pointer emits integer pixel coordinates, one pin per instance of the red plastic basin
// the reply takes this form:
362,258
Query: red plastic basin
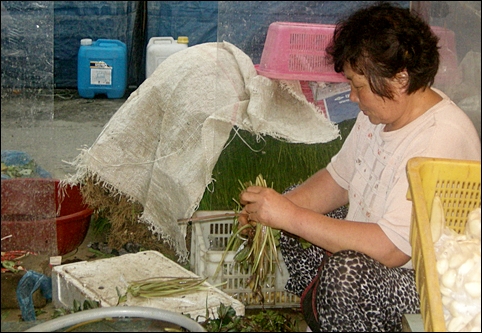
37,217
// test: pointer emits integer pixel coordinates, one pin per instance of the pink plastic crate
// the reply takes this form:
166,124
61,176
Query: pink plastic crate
296,51
448,70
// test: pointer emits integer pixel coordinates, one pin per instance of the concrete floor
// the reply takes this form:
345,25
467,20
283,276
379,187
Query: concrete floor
52,127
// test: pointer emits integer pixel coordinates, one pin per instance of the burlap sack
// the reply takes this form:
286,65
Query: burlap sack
161,146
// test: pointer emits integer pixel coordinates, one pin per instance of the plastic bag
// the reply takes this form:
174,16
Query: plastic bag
18,164
27,285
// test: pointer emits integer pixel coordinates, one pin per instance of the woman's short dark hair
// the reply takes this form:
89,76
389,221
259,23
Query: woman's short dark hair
382,40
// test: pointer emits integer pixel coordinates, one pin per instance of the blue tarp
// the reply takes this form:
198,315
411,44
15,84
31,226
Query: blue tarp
27,26
132,22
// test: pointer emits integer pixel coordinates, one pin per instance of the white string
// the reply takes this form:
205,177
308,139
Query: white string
258,138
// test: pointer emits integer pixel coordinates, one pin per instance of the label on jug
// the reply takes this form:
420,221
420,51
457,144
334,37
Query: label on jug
100,73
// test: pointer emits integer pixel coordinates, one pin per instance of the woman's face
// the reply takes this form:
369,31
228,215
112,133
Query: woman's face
379,110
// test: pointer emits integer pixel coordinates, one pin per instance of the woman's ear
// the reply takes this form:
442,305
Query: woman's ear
402,79
402,76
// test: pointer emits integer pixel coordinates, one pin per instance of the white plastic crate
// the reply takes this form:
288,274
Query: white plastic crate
209,239
97,281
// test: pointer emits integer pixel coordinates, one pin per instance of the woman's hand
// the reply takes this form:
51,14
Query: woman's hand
266,206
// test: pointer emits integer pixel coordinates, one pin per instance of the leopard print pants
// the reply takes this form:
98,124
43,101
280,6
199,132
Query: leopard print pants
355,292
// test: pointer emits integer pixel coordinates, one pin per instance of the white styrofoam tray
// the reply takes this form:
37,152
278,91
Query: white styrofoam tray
97,281
209,239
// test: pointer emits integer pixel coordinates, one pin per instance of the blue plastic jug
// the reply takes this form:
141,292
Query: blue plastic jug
102,68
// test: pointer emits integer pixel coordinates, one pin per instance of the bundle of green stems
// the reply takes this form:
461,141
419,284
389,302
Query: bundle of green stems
256,248
166,287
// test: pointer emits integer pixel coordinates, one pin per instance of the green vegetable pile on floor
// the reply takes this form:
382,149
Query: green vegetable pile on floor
262,321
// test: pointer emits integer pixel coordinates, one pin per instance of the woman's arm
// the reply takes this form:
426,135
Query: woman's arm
335,235
319,193
300,212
